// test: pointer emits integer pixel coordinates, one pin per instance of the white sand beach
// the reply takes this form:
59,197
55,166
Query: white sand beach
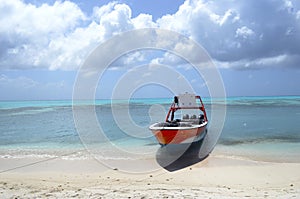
218,176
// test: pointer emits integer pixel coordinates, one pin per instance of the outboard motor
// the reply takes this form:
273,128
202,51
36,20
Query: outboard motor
201,119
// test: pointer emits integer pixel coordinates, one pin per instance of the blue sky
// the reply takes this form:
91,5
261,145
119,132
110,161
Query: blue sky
254,44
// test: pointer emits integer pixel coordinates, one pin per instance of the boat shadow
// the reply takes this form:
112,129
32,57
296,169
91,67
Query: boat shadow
176,157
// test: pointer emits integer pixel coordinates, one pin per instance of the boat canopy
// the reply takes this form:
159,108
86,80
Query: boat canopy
186,100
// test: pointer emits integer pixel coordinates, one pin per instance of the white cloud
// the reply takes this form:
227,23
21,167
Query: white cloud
167,59
239,30
128,60
27,31
60,36
144,21
275,62
288,5
116,20
244,32
298,15
134,57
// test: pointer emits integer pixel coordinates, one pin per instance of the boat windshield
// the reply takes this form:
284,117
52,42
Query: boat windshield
186,114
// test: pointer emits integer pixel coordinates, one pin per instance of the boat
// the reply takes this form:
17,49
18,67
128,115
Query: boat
185,129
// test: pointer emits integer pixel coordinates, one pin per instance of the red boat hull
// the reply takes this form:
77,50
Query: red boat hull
179,136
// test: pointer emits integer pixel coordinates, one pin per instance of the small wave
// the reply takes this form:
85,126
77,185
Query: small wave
30,110
31,156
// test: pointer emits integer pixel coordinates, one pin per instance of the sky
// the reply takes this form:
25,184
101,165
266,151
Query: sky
255,45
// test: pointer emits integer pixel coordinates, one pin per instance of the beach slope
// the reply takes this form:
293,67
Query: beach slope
215,177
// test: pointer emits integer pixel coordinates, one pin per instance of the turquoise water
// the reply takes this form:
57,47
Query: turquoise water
265,128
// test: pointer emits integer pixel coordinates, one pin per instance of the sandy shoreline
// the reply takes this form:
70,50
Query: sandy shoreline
215,177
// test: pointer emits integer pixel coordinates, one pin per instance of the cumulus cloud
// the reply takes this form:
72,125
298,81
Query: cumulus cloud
58,36
240,30
244,32
27,31
235,33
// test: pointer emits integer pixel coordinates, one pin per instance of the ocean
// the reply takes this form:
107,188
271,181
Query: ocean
256,128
